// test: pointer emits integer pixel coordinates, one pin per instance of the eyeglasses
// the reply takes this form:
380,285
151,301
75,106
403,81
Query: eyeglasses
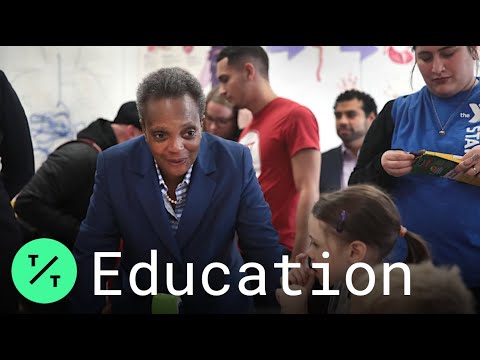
218,121
350,114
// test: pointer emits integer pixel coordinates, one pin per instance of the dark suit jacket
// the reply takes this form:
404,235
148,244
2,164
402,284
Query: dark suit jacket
224,197
331,170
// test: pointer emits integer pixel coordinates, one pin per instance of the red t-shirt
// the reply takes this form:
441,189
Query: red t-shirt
275,135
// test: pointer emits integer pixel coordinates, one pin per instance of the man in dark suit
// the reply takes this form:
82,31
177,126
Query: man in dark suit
354,112
184,194
16,154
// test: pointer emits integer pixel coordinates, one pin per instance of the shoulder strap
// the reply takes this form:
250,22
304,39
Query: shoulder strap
92,143
86,141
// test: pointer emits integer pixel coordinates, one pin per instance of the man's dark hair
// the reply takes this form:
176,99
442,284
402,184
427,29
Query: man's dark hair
239,55
368,106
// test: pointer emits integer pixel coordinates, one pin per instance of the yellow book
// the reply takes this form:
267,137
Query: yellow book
441,165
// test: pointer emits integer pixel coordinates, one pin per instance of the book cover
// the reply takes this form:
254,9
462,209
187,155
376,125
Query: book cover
441,165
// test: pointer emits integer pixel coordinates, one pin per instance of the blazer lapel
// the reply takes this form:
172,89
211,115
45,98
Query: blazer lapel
199,195
150,196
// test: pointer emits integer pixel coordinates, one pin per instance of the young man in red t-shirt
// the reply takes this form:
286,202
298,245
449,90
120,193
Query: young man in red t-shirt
283,138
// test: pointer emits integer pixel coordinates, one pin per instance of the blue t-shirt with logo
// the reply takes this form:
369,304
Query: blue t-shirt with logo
445,212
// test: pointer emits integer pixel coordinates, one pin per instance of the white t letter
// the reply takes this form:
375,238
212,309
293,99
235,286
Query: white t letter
285,265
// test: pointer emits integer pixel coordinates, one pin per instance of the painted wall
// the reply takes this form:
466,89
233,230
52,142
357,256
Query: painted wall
64,88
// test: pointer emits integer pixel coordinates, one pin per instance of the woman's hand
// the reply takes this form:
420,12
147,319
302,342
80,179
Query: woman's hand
470,165
303,276
397,162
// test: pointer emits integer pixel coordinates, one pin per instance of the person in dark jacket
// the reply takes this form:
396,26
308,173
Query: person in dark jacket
354,112
55,201
17,167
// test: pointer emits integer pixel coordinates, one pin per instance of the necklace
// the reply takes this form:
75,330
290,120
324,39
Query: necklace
174,202
442,131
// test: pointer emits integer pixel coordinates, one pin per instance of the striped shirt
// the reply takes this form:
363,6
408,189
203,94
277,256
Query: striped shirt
181,193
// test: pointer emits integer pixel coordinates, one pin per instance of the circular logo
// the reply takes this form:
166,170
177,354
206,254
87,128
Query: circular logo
44,270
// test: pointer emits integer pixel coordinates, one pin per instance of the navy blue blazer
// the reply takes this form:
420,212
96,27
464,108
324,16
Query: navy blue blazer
331,170
224,197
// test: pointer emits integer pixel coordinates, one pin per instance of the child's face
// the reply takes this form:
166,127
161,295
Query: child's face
322,237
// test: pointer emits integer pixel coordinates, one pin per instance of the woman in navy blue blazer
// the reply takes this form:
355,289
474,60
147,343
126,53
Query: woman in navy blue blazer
175,197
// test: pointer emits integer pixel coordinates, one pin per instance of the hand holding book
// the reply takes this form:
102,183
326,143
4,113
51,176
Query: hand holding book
444,165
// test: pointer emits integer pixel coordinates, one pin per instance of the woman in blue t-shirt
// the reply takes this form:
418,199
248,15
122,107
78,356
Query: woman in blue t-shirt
444,116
